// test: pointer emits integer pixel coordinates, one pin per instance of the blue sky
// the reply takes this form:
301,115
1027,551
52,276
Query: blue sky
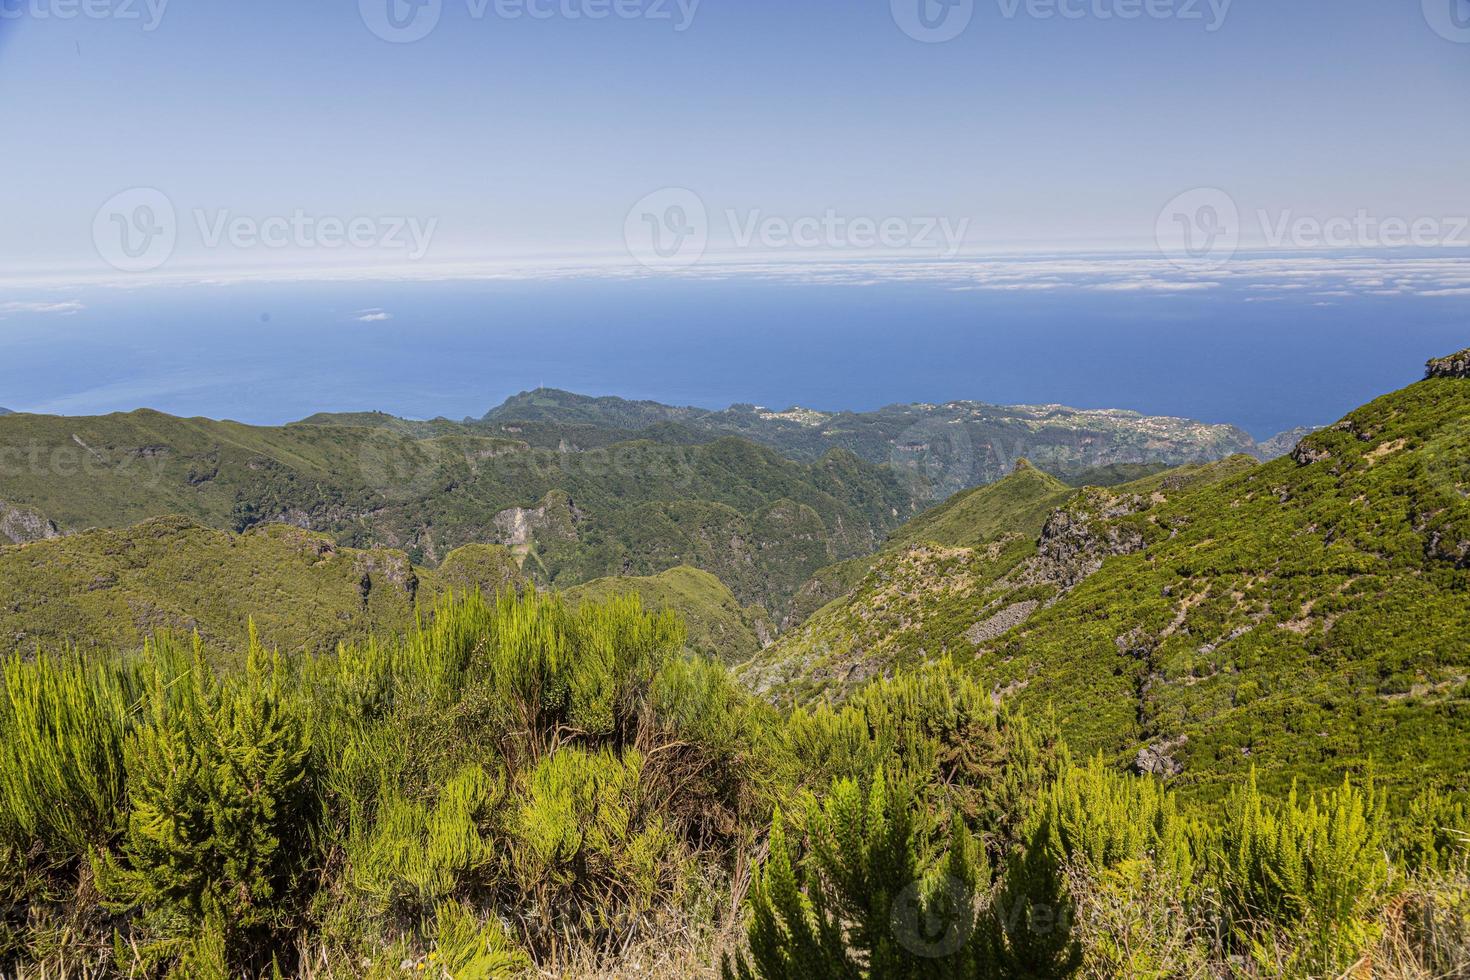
516,137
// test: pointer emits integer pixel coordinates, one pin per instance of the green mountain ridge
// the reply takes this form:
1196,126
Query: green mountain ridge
950,446
1294,616
941,448
762,522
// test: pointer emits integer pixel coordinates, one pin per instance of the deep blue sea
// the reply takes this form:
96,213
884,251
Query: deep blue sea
1237,351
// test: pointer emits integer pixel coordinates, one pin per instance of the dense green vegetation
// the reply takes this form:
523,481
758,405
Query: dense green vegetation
762,523
112,590
1207,722
1296,617
717,626
518,785
939,448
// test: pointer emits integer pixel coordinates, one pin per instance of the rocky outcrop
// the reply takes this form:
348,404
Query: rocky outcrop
392,567
21,525
517,527
1281,444
1453,366
1007,619
1158,759
1076,538
1305,454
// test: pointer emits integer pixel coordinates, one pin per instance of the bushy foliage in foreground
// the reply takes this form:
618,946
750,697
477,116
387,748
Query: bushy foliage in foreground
521,786
514,782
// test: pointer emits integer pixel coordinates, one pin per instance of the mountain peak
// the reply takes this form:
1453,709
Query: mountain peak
1453,366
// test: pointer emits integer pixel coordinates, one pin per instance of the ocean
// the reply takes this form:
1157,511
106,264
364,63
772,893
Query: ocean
1236,350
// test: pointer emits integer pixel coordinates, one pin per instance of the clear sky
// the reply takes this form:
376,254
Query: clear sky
1042,124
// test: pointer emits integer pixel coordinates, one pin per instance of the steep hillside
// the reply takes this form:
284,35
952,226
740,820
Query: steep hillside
1296,616
761,522
907,603
716,623
941,448
1305,614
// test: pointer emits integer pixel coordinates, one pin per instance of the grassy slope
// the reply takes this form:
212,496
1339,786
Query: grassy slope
1310,613
1301,616
911,601
761,522
111,589
717,624
1017,504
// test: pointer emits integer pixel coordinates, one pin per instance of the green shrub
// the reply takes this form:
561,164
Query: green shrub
1301,880
63,722
412,855
585,850
217,836
865,896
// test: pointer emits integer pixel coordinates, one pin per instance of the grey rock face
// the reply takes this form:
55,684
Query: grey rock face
1453,366
20,525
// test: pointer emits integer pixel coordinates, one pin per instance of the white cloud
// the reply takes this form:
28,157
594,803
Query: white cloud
372,316
64,308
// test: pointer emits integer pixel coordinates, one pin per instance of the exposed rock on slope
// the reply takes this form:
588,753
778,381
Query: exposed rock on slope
21,525
1453,366
761,522
967,574
1292,615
